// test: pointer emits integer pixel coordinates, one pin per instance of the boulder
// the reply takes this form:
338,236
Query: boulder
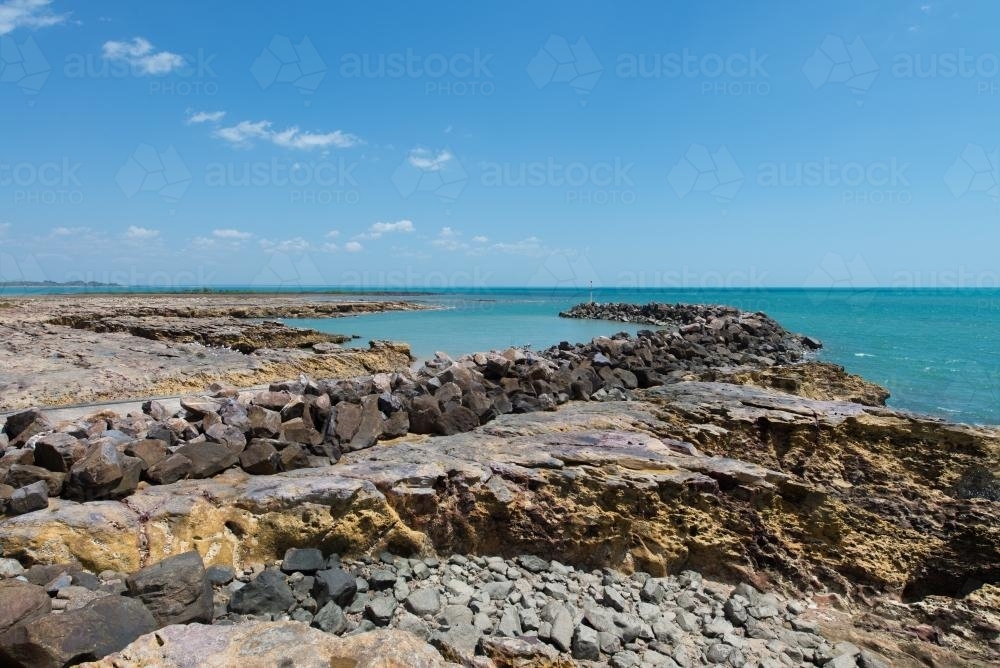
334,584
199,407
268,593
456,419
260,458
208,459
58,452
370,426
293,456
151,451
261,644
175,590
21,602
235,415
97,474
331,618
104,625
29,498
300,430
424,414
346,418
302,560
396,426
264,423
19,427
22,475
170,470
156,410
227,435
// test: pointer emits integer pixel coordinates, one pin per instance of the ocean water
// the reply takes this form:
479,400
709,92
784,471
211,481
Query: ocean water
938,351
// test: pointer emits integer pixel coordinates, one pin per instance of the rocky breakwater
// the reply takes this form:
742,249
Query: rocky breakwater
65,350
304,423
723,321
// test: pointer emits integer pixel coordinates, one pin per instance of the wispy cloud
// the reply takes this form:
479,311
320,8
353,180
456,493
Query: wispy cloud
142,57
529,247
294,245
204,116
4,228
68,231
138,233
450,239
245,133
231,234
427,160
333,234
353,247
16,14
379,229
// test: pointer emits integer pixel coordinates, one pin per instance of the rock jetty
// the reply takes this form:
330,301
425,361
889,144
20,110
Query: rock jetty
683,318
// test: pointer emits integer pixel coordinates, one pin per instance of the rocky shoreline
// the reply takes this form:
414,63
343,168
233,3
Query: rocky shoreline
59,350
695,495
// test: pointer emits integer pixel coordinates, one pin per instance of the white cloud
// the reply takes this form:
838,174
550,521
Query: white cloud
230,233
3,228
142,57
448,239
378,229
353,247
529,247
426,160
135,232
204,116
68,231
480,240
333,234
306,141
295,245
245,132
330,248
16,14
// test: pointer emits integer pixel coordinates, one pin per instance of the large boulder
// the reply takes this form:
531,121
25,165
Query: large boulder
19,427
21,602
21,475
173,468
104,625
176,590
260,458
259,644
266,593
370,426
208,459
58,452
334,584
29,498
97,474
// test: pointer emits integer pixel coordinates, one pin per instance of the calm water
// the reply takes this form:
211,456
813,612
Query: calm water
938,351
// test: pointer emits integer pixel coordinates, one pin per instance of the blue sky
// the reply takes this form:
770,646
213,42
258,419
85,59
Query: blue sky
680,144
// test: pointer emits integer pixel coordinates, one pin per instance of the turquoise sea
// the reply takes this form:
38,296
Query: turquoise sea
938,351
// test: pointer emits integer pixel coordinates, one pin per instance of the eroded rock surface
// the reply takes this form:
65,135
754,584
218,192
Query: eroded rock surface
266,644
70,349
740,482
